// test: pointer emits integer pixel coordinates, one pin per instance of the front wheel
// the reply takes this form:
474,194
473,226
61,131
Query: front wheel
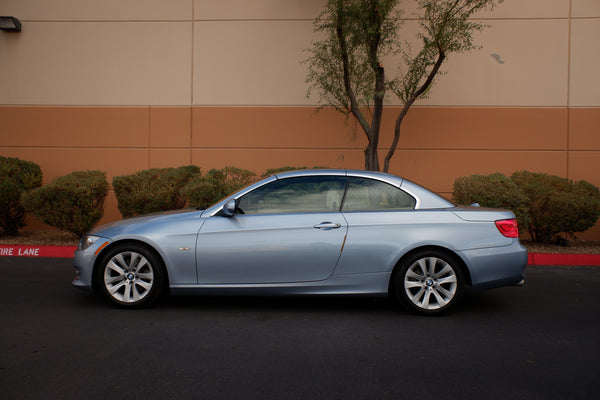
130,276
429,282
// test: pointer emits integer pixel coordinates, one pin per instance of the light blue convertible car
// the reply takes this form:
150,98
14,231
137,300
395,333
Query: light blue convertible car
314,232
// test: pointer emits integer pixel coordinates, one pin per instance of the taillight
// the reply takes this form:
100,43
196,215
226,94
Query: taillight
508,228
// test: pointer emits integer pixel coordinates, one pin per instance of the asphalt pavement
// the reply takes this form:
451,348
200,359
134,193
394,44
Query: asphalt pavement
540,341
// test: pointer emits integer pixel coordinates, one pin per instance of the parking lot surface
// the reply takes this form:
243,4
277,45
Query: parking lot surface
535,342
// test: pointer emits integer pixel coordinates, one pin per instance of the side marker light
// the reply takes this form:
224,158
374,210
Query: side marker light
100,248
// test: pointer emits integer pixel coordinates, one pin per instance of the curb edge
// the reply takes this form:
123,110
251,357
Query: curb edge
67,252
10,250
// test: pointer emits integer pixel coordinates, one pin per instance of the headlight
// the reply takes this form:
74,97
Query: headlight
87,241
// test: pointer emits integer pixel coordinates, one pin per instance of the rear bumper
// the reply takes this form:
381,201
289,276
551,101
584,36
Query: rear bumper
497,266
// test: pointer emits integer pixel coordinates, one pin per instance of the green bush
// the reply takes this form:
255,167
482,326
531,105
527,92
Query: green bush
545,205
152,190
495,191
73,202
16,177
205,190
557,205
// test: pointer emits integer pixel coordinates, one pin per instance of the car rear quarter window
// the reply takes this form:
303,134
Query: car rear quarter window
371,195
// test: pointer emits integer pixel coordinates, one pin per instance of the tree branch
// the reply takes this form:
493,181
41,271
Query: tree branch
354,108
408,104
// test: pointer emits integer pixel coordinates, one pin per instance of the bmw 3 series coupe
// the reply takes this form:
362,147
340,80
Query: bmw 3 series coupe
312,232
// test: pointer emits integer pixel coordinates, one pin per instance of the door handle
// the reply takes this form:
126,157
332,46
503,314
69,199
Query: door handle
327,225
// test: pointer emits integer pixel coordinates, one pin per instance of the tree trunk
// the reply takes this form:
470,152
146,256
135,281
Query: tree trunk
371,157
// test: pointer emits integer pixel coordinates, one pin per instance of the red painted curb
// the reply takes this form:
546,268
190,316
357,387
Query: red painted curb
563,259
37,251
67,252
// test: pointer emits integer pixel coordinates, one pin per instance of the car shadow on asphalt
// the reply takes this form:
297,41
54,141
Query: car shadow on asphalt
471,303
280,303
488,302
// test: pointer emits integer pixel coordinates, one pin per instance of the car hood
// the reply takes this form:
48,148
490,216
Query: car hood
131,224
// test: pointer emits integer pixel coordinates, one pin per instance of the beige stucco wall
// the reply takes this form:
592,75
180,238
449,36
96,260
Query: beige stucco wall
233,52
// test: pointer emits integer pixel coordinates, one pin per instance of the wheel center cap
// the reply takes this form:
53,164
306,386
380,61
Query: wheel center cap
429,282
130,276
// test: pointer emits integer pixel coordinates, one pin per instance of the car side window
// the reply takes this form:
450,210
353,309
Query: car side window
295,195
371,195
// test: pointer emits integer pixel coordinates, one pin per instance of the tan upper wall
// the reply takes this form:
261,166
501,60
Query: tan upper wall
249,53
585,8
522,63
98,10
144,10
585,56
95,63
182,10
252,63
257,9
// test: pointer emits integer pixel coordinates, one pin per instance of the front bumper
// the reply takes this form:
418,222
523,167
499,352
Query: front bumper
83,263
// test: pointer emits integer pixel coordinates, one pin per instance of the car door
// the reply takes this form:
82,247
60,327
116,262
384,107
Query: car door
289,230
381,220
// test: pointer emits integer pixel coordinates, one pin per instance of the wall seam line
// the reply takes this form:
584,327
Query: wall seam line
191,125
148,136
569,34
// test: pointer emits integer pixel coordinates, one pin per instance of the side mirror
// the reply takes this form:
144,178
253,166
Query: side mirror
229,208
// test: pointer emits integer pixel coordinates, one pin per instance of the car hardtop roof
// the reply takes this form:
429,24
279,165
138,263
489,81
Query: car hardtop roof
426,199
341,172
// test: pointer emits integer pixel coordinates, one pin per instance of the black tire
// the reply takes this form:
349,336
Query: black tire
429,282
131,276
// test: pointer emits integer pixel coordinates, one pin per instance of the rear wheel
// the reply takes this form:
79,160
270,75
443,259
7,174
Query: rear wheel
429,282
131,276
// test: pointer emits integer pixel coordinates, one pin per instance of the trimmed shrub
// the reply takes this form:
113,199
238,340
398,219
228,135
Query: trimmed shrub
152,190
557,205
205,190
73,202
16,177
494,191
545,205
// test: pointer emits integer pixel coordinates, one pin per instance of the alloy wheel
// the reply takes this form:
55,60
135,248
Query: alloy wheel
430,283
128,277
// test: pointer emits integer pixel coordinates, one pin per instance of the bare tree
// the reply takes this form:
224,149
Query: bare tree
346,68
